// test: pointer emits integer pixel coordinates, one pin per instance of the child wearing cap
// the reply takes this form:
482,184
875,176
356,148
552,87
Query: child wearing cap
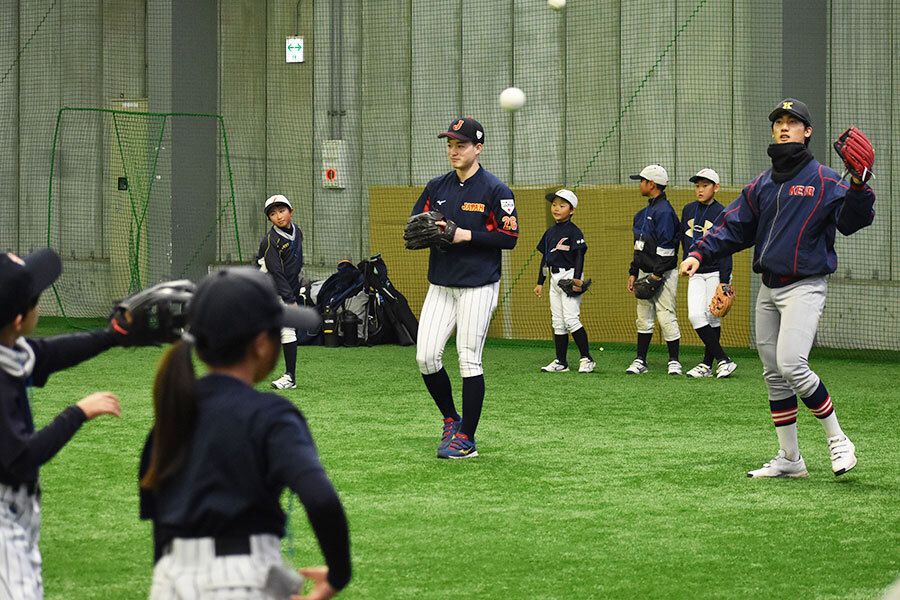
24,363
221,453
696,219
656,233
562,249
281,256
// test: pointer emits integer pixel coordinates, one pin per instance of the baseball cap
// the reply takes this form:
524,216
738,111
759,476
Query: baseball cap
23,279
277,199
708,174
794,107
465,129
567,195
654,173
236,303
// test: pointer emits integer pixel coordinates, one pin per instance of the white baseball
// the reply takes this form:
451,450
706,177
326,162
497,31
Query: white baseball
512,99
556,4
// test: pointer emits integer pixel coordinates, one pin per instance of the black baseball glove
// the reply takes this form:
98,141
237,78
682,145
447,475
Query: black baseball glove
568,286
154,316
422,231
647,287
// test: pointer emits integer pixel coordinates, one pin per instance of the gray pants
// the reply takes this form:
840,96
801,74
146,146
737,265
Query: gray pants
20,559
786,323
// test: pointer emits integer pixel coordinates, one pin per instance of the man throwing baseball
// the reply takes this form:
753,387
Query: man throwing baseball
789,214
464,277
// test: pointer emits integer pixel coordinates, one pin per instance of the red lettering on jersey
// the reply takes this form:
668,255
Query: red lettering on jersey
802,190
510,224
473,206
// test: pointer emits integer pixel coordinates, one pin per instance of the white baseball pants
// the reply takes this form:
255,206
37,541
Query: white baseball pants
701,289
662,307
192,571
20,558
565,311
469,311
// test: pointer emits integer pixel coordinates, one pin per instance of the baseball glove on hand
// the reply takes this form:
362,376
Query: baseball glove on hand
722,300
154,316
857,153
568,286
647,286
422,231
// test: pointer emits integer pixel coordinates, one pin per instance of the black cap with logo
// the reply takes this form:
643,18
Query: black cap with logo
23,279
465,129
794,107
236,303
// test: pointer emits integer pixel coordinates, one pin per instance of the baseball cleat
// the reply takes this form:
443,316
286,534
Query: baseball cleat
725,369
284,382
701,370
638,367
555,367
674,367
586,365
843,454
780,466
460,447
451,427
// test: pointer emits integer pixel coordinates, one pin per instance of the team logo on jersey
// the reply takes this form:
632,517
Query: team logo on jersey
473,206
694,229
439,202
508,205
562,246
458,125
802,190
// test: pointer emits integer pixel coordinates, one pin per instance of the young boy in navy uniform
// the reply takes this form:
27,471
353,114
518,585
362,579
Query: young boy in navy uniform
26,362
656,233
464,280
562,250
696,219
789,215
281,256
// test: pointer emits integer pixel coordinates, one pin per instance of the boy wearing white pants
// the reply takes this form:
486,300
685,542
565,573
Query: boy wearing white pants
562,250
696,219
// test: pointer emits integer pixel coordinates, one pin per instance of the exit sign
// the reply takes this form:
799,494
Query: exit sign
294,49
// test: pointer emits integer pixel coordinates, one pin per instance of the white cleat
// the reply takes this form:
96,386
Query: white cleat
843,454
586,365
284,382
725,369
780,466
701,370
555,367
638,367
674,367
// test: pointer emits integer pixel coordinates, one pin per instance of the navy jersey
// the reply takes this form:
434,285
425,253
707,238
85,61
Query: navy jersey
791,225
656,235
281,256
23,449
696,220
246,447
482,204
562,247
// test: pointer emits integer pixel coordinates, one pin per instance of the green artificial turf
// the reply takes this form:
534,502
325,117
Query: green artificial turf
587,486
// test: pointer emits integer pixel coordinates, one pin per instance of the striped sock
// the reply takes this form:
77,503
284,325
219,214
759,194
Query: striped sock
784,415
820,405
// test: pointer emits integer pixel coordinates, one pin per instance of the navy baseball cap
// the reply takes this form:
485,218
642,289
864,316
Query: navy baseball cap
236,303
22,280
792,106
465,129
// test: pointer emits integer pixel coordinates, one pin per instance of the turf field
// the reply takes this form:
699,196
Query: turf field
588,486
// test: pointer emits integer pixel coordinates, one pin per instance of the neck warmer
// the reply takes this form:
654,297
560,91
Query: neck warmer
18,361
788,160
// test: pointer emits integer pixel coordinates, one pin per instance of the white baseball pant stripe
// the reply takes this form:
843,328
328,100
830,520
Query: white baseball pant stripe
701,289
192,571
786,322
20,557
469,310
662,307
565,310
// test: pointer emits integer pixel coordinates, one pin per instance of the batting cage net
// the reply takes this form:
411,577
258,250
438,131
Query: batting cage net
337,105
